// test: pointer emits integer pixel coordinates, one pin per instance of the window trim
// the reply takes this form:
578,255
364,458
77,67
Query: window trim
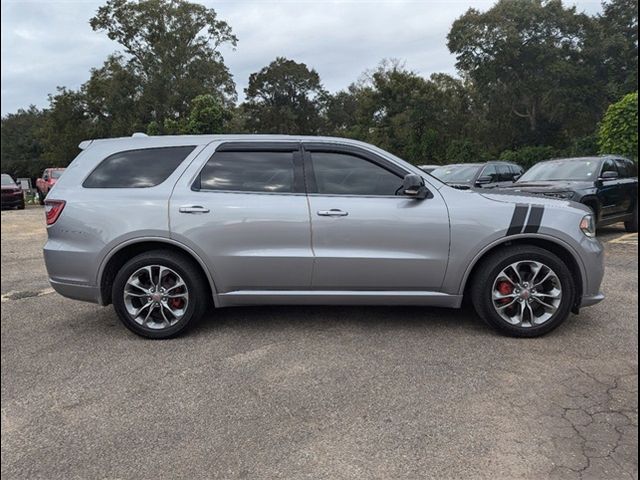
120,152
267,147
308,148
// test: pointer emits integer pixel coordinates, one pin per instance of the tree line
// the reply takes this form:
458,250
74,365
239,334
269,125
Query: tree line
535,80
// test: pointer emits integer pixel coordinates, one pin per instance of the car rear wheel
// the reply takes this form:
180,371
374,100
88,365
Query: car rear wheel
159,294
523,291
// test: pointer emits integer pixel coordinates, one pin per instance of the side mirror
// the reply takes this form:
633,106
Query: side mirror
412,186
609,175
483,180
45,177
517,177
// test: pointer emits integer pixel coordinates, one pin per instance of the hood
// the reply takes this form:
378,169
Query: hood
548,186
10,187
505,196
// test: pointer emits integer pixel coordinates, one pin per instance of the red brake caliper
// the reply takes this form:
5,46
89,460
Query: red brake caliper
176,302
505,288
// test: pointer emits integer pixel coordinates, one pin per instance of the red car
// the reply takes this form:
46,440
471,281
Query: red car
47,181
11,193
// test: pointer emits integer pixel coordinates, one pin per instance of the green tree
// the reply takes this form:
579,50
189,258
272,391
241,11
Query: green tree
619,129
66,125
172,47
22,148
284,97
111,96
208,115
526,60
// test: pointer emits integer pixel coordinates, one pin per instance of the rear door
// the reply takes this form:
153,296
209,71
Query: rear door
628,183
243,208
611,191
366,235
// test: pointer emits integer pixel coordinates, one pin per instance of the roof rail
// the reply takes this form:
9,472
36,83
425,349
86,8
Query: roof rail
139,134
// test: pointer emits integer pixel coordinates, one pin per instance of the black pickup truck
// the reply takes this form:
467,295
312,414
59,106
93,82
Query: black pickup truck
607,184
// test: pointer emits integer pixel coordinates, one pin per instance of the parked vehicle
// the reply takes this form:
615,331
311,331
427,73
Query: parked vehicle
45,183
161,226
608,185
428,168
12,196
465,176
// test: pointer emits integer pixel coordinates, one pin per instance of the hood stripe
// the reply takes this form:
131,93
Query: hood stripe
535,218
517,221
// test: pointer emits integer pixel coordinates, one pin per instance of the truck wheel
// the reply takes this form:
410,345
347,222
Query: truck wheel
523,291
158,294
41,197
631,226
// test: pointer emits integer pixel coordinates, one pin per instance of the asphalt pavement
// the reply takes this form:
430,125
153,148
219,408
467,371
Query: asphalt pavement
322,392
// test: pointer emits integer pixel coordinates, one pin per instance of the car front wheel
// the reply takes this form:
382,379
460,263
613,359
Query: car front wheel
159,294
523,291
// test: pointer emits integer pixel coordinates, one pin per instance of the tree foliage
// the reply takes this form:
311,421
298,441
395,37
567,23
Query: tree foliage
172,48
619,129
284,97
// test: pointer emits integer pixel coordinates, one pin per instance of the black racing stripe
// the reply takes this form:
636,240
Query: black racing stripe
517,221
533,224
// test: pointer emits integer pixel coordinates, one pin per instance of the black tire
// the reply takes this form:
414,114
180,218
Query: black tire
488,271
21,206
196,283
631,226
41,197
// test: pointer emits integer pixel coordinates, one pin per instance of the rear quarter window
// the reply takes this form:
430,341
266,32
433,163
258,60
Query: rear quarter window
137,168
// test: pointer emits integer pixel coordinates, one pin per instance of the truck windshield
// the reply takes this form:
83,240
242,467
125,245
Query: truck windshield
584,169
7,180
456,173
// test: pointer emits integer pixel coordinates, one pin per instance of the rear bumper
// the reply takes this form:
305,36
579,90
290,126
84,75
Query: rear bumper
85,293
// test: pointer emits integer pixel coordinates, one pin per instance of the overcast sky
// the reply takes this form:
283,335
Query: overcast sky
46,44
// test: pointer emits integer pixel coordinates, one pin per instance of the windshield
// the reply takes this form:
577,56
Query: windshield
586,169
56,173
7,180
456,173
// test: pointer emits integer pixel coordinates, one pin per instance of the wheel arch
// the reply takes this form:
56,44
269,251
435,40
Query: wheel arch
117,257
592,202
560,249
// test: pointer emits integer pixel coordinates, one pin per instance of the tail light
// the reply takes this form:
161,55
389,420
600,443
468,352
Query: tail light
52,210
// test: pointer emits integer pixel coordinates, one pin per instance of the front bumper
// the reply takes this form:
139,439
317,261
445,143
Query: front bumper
9,201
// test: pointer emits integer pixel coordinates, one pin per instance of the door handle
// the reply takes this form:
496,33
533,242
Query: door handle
334,212
193,209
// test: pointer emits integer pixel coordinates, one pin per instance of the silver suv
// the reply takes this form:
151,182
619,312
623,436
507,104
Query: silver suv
163,226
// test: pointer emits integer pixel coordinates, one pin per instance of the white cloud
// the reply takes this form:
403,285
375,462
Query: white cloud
50,44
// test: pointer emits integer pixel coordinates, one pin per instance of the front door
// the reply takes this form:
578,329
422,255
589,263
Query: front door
243,209
365,234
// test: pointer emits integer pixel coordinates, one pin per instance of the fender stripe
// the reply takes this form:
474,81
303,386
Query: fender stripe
535,217
517,221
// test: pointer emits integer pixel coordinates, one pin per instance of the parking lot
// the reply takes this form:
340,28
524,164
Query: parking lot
324,392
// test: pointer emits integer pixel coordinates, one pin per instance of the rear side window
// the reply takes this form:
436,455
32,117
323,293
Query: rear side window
625,168
137,168
343,174
249,171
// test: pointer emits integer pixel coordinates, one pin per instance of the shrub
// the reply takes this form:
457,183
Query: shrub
619,128
528,156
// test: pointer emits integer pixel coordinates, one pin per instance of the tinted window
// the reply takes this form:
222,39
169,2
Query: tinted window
490,171
343,174
504,173
609,166
249,172
625,168
137,168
